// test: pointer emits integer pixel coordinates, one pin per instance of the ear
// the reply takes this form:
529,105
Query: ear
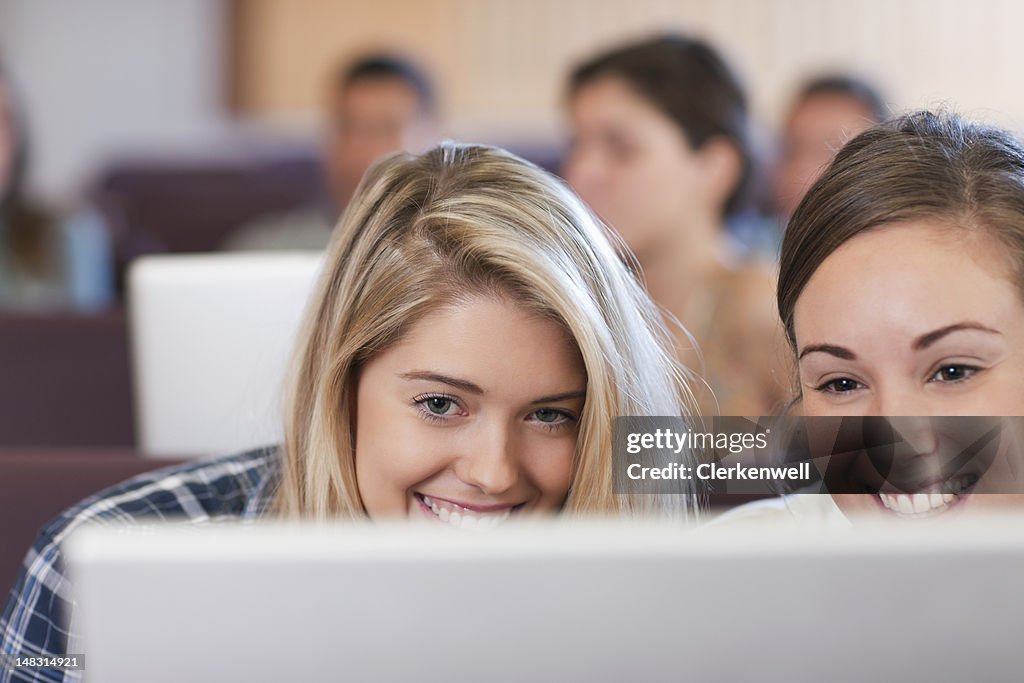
722,167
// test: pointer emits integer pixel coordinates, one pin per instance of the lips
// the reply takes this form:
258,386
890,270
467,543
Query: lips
466,516
929,500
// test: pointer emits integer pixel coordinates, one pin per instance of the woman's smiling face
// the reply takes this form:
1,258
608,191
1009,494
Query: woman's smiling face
470,418
912,319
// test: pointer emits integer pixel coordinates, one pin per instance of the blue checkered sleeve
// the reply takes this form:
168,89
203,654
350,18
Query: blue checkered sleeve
37,620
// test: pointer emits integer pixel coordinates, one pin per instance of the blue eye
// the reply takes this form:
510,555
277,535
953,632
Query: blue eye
437,406
552,419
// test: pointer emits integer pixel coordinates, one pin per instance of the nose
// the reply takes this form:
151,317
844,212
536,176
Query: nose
491,462
583,170
917,432
907,413
893,400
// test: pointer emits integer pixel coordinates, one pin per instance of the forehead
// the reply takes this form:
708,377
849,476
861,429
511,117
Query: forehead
494,343
609,105
378,91
611,97
900,281
830,110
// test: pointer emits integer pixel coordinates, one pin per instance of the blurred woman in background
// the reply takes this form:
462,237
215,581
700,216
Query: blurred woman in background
45,264
825,114
660,150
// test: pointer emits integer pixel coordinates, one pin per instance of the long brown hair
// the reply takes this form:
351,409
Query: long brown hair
919,166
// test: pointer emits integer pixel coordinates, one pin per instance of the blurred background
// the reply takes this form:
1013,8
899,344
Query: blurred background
107,77
135,127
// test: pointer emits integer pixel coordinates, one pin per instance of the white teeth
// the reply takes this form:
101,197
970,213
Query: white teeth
466,519
937,498
906,505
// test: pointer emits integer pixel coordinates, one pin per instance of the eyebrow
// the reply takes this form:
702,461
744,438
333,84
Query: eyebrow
564,396
926,340
831,349
919,344
463,384
466,385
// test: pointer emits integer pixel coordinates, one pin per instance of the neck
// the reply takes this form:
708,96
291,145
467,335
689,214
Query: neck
676,270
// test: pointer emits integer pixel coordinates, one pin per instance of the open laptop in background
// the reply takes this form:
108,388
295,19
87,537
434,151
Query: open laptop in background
211,336
597,602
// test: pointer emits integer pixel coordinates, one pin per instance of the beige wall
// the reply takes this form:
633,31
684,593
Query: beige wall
501,62
105,77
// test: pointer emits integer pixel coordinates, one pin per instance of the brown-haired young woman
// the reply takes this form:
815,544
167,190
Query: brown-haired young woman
901,289
660,151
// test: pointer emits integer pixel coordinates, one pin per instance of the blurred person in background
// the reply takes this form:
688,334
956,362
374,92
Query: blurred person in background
660,150
826,112
378,104
45,264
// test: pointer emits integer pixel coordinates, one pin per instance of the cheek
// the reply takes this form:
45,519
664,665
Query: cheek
395,450
393,456
663,175
1007,395
814,404
548,465
643,200
1000,393
856,504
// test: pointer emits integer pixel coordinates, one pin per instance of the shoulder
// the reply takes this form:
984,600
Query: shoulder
803,508
36,619
200,490
748,307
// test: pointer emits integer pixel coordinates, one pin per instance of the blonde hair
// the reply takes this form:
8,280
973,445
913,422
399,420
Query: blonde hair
427,231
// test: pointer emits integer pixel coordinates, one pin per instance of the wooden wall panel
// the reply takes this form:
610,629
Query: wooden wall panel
502,62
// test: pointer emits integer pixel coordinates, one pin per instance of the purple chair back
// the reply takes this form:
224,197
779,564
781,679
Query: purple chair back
65,380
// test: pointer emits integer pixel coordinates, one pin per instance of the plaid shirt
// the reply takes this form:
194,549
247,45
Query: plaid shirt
37,619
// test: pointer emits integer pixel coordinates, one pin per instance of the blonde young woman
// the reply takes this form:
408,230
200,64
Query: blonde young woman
471,339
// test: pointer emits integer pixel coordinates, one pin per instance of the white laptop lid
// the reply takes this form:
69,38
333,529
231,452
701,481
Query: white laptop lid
211,336
606,602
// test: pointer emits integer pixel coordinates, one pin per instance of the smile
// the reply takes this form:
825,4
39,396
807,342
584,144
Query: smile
462,517
935,499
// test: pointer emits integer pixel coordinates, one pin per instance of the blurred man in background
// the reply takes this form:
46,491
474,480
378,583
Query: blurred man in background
826,113
376,105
